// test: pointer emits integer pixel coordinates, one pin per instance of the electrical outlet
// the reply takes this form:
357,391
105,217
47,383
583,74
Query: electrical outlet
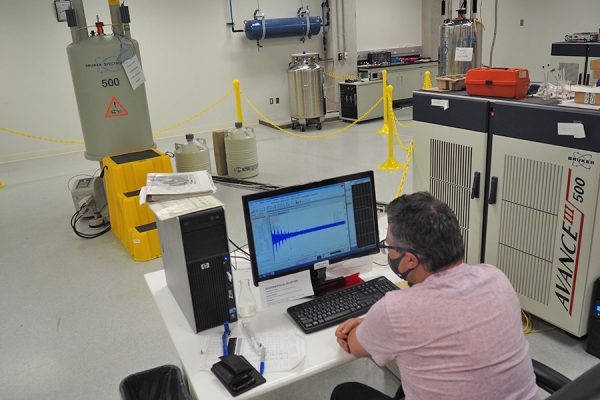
345,55
522,22
271,100
277,100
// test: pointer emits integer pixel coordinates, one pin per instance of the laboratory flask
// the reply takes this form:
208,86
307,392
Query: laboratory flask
246,306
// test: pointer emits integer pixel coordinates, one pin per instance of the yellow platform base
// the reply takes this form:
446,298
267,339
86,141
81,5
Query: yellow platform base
134,225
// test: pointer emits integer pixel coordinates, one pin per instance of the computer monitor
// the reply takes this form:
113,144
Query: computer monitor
293,228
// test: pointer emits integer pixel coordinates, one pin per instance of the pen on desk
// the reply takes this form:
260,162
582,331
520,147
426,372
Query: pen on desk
225,344
263,352
226,333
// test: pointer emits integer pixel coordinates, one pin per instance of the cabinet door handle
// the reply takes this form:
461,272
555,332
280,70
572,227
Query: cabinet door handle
476,184
493,190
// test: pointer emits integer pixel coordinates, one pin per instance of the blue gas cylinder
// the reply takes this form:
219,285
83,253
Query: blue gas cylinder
281,27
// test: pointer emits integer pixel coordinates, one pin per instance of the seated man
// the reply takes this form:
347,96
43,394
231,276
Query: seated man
456,333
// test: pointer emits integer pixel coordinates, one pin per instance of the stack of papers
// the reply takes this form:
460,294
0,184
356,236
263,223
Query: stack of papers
172,194
284,350
174,208
176,185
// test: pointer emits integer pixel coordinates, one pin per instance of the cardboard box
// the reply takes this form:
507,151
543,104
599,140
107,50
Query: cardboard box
595,64
587,96
451,82
219,149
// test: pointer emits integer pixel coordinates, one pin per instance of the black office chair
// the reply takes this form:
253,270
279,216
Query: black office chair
584,387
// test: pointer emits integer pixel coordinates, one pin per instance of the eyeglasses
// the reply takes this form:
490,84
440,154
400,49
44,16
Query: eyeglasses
385,249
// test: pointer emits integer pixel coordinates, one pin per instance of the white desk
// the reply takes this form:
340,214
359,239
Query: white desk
322,350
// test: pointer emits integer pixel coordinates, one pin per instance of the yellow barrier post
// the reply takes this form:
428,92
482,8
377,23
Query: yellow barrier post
384,128
1,184
238,101
390,164
427,80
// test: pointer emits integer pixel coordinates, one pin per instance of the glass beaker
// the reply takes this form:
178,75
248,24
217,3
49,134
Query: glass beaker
247,306
566,90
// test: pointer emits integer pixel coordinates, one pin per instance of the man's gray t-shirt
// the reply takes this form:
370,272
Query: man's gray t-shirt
457,335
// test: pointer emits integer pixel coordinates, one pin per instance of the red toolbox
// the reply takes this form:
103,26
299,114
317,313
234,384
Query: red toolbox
498,82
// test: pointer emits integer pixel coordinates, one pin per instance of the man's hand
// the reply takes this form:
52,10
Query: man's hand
343,331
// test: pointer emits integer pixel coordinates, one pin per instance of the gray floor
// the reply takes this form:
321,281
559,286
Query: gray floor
77,316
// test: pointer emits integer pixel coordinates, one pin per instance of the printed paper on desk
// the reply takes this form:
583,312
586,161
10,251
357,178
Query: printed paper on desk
285,349
175,208
286,288
350,267
571,103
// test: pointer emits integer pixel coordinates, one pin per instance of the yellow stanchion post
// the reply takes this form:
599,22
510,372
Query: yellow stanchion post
384,128
390,164
427,80
238,101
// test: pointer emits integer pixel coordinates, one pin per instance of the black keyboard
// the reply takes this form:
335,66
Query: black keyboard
334,308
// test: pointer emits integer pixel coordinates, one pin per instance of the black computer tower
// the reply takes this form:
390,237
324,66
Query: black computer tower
593,345
196,260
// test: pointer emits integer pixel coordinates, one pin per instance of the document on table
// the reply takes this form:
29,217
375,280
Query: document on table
350,267
174,208
286,288
285,349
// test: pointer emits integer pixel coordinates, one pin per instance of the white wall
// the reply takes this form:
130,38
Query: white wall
384,24
545,22
190,57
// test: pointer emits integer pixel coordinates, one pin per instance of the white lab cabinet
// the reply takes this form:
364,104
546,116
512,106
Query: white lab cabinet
405,79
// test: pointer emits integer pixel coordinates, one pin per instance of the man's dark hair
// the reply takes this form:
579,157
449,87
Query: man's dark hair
422,223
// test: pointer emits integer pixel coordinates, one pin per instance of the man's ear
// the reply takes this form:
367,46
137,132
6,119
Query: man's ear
412,260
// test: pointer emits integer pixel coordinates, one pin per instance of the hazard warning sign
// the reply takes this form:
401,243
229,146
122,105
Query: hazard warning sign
115,109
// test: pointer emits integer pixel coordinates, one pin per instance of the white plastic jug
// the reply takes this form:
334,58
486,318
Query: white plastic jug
192,155
241,152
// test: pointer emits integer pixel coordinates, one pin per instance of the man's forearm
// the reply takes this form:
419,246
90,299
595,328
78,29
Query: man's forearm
354,345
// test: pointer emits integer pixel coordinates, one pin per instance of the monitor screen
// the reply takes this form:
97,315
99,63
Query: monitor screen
293,228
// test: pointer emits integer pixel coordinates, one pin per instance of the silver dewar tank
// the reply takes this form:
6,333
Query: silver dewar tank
305,82
456,33
114,117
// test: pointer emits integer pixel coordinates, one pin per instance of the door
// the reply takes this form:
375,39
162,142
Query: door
542,210
449,160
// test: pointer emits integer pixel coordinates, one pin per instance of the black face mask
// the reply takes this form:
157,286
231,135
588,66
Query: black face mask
394,263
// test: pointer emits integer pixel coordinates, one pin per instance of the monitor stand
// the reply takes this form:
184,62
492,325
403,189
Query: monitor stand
322,287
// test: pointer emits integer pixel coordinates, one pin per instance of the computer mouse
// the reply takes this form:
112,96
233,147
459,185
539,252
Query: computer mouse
533,89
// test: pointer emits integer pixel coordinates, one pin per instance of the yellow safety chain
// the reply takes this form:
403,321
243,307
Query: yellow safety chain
305,136
341,76
398,135
401,124
41,137
155,133
409,151
406,164
195,115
